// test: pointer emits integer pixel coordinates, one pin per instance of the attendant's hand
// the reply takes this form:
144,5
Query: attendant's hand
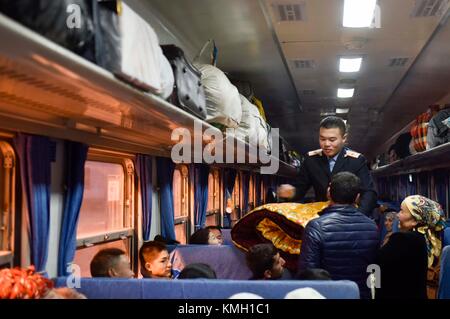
286,191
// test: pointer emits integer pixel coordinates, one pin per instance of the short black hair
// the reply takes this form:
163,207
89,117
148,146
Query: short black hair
344,188
313,274
334,122
104,260
147,253
260,258
201,236
197,270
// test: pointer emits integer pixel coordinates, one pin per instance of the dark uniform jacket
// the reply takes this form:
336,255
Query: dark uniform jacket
343,241
315,172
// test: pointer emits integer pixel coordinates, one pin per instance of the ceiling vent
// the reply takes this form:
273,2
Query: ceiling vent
290,12
398,62
304,64
429,8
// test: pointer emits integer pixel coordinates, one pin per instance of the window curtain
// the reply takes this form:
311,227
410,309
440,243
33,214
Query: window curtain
144,170
403,187
165,169
258,190
229,179
34,154
440,185
201,173
412,186
245,176
76,154
423,184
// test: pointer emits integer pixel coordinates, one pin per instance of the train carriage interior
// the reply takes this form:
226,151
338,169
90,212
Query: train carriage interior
127,122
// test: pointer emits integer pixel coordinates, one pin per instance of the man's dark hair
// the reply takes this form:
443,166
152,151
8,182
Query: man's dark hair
201,236
260,258
344,188
147,253
104,260
313,274
166,241
334,122
197,270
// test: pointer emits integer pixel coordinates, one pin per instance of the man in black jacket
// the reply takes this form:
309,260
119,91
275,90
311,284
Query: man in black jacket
332,157
343,241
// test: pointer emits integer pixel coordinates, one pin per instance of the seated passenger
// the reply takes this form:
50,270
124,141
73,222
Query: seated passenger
111,262
265,262
389,224
211,235
313,274
155,260
197,270
343,241
404,260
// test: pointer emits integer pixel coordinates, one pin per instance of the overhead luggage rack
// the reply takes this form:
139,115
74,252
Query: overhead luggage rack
48,90
437,157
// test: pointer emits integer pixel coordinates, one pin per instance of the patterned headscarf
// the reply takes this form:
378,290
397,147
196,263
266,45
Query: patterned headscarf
430,220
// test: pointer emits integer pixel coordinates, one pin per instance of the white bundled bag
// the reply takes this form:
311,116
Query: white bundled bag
143,61
253,128
223,103
248,128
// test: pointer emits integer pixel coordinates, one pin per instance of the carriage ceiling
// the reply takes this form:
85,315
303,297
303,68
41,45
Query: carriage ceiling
293,64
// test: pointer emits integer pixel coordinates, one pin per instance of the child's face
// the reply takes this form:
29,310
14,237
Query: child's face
215,237
160,266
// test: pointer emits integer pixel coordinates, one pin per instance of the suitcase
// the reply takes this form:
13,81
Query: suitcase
188,93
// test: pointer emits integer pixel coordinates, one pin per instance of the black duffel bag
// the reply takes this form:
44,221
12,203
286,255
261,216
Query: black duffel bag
188,93
89,28
57,21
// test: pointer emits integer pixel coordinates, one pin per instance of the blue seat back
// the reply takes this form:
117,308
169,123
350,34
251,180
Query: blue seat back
444,275
104,288
227,261
226,234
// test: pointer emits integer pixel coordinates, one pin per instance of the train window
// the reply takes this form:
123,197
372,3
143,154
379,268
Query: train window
181,192
84,255
102,209
7,187
107,211
213,208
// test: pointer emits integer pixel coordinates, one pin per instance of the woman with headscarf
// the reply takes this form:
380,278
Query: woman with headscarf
405,259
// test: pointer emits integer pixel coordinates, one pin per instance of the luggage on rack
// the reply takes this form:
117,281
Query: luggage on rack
143,62
438,132
260,107
106,32
53,19
252,128
189,93
223,103
419,129
244,87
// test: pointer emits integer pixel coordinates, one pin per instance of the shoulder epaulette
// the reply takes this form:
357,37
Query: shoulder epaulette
352,154
316,152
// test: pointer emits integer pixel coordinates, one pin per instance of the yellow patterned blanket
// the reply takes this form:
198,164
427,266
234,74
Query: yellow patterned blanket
282,224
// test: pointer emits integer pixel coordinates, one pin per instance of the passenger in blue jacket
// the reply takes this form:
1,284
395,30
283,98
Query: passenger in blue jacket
343,241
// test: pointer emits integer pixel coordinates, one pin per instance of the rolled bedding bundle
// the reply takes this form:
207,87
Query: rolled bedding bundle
281,224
